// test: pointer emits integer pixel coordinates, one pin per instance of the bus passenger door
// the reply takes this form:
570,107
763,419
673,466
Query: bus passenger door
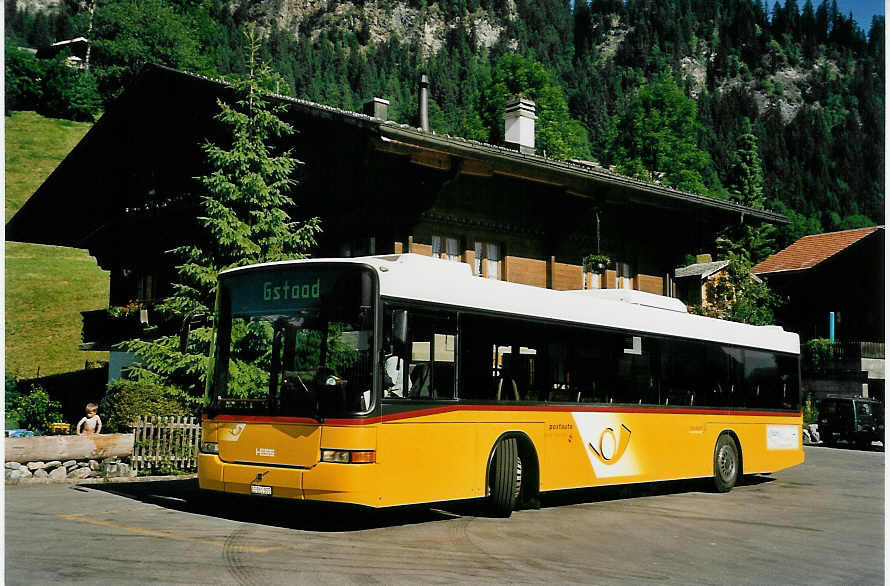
424,451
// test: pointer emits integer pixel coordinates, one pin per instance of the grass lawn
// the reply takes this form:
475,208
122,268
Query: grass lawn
46,286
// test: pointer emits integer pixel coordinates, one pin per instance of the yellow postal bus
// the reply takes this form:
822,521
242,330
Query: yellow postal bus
393,380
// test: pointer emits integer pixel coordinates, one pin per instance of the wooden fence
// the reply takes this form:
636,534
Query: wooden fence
166,444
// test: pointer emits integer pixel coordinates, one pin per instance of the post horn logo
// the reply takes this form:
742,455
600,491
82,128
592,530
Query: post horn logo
611,448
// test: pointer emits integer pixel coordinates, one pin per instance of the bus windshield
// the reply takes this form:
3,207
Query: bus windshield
294,341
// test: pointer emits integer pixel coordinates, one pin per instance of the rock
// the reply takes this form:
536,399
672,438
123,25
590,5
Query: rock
69,463
41,474
8,473
36,465
123,469
83,464
13,465
52,465
80,473
22,473
93,464
111,469
59,474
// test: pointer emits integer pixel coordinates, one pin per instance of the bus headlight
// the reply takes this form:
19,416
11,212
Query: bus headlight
349,456
209,448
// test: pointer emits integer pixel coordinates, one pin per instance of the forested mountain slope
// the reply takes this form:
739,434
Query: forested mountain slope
808,79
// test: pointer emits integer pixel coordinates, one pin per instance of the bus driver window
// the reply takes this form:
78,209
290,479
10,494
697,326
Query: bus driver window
419,356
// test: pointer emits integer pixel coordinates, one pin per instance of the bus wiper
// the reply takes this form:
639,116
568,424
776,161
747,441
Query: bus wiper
316,412
307,400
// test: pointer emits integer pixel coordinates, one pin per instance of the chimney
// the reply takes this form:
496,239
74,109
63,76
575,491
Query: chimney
376,108
424,100
519,124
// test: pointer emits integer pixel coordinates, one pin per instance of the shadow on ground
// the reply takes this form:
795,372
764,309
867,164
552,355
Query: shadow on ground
184,495
843,445
646,489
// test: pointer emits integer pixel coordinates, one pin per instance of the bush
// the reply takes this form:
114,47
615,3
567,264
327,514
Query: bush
35,410
69,93
13,398
50,88
24,75
818,353
126,400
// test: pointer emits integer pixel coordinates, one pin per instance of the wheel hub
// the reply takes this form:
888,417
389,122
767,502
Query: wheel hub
726,463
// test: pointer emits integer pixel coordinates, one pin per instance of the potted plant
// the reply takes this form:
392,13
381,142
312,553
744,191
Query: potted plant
596,263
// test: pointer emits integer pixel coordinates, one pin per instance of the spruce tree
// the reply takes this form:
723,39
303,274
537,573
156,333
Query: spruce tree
244,221
739,295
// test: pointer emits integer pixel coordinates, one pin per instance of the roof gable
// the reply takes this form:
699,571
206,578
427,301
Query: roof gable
812,250
703,269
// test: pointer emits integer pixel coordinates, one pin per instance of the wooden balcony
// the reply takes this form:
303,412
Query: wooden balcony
101,330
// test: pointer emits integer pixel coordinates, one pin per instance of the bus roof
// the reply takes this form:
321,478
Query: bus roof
422,278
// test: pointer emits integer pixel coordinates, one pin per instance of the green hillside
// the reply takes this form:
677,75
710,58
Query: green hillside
46,286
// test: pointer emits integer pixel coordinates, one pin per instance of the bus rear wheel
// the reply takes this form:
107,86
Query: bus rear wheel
726,463
504,478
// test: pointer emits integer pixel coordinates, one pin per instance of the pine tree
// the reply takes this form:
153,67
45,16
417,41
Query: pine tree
244,221
751,243
739,296
746,179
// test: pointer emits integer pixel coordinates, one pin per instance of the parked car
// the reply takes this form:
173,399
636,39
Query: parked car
857,420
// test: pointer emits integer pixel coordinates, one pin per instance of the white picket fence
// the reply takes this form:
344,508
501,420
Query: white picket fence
166,443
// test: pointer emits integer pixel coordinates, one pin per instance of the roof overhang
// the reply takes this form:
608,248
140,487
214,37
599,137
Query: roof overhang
484,159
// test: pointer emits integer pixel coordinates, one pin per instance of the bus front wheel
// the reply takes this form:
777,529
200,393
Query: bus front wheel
726,463
504,478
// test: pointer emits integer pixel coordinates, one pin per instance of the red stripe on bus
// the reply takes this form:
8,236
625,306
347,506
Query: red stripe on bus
449,408
575,408
284,419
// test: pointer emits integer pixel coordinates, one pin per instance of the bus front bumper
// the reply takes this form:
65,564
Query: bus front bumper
342,483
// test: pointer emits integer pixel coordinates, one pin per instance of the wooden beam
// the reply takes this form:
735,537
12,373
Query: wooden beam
477,168
68,447
432,159
515,173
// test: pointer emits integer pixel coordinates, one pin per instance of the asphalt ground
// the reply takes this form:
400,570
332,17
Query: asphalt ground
818,523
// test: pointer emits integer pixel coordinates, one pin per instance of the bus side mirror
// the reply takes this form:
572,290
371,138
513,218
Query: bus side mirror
399,330
186,329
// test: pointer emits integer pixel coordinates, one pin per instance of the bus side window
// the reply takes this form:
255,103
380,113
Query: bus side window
431,358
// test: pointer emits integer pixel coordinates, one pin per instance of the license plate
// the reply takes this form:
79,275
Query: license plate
259,489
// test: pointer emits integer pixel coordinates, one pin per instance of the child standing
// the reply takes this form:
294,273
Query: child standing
90,424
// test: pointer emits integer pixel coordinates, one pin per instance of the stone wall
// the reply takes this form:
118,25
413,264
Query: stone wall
70,470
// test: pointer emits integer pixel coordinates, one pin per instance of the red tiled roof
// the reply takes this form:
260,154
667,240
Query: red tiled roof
811,250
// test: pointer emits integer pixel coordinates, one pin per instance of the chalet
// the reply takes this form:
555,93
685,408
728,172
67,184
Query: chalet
693,281
127,193
834,284
76,49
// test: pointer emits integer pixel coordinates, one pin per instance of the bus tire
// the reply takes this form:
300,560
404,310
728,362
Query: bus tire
726,463
504,478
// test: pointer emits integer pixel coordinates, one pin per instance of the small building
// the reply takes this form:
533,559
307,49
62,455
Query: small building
75,48
693,281
834,284
127,193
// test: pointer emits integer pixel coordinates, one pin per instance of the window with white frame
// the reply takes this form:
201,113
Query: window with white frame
592,280
487,262
446,248
625,276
